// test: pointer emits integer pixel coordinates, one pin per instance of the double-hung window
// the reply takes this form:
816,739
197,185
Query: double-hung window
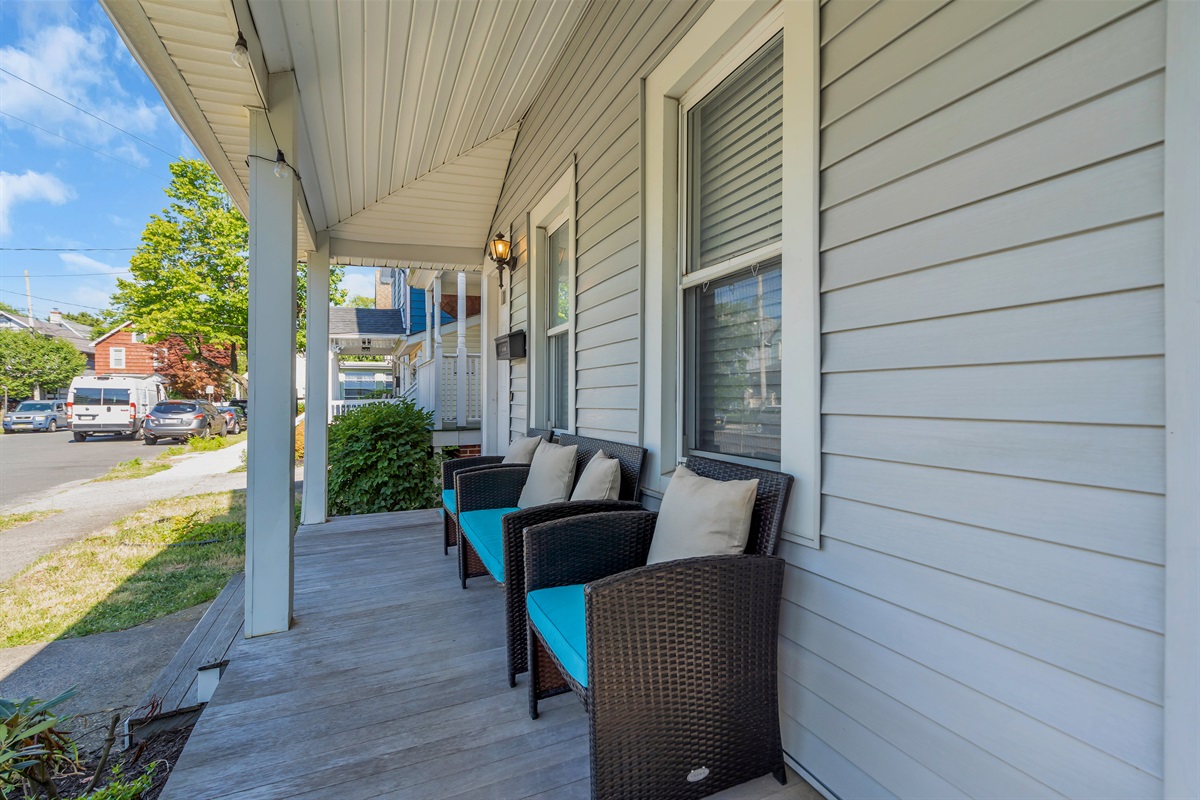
552,306
731,284
116,357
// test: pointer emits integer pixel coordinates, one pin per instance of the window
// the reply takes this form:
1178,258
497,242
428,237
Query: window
137,338
732,283
116,358
552,306
730,223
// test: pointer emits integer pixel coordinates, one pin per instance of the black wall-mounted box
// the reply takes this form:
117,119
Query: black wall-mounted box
510,346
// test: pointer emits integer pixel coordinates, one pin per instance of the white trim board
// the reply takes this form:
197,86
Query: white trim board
724,31
1181,704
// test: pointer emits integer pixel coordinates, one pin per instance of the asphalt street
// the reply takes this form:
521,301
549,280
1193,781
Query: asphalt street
31,463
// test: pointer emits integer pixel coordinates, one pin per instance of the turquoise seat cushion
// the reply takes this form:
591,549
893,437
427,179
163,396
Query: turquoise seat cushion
448,499
485,532
558,614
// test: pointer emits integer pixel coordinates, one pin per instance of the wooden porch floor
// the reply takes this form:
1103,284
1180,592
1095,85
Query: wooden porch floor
391,683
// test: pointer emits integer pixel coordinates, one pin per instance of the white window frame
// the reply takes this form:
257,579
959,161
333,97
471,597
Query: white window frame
724,37
112,358
557,206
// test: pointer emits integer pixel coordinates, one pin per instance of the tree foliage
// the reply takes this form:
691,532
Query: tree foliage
360,301
381,459
190,276
189,377
28,360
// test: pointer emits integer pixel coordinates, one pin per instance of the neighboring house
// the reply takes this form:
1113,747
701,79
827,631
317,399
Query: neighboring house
969,231
358,380
78,335
125,351
383,288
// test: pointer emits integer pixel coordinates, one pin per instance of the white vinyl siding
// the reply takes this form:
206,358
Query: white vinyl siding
590,108
985,615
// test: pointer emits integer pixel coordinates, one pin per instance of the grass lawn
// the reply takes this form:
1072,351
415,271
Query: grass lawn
13,520
128,573
133,468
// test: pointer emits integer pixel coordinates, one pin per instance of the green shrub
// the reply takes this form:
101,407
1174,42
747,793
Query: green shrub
33,746
120,788
381,458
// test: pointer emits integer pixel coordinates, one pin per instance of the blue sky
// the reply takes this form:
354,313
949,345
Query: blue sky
59,194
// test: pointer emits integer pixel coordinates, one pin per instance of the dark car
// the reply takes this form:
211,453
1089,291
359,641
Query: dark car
235,418
183,419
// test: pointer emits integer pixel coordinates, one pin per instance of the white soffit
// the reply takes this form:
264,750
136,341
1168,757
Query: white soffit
451,206
392,91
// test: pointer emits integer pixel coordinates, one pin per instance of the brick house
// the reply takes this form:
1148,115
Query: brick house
124,351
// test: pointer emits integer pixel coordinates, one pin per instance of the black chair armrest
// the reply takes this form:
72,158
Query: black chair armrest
453,465
493,487
587,547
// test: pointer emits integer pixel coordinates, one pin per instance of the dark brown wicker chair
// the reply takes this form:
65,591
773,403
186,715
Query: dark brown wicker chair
498,489
680,657
452,467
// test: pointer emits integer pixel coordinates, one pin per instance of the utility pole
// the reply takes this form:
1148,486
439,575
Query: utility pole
28,301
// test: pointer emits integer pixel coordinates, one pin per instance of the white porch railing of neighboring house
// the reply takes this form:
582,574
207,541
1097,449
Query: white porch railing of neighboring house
445,406
339,407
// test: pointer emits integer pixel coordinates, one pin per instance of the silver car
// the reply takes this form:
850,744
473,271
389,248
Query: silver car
183,419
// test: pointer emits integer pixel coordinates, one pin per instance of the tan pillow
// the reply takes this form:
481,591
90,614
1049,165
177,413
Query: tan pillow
521,451
601,479
550,475
702,517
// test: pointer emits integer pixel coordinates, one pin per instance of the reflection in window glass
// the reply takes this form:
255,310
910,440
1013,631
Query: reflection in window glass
559,389
560,282
735,324
89,396
116,397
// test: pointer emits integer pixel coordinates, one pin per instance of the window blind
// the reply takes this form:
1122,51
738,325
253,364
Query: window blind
735,156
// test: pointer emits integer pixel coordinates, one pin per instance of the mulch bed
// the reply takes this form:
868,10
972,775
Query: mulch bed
161,749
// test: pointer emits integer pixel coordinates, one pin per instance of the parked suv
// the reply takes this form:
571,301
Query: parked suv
183,419
235,418
37,415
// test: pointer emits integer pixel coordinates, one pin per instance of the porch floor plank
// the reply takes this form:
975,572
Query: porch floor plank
390,684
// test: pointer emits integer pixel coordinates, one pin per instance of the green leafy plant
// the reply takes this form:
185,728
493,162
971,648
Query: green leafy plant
119,788
381,459
33,746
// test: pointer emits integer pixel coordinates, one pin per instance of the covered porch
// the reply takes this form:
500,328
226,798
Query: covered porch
390,684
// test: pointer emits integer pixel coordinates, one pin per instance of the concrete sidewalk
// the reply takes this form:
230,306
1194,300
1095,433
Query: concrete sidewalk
88,507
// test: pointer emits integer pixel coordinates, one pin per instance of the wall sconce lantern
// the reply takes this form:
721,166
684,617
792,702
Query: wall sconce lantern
500,251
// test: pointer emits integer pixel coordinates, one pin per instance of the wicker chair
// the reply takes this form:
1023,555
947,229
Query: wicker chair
498,531
675,662
452,467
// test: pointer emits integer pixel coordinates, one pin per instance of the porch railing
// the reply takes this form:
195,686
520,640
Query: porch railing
339,407
437,389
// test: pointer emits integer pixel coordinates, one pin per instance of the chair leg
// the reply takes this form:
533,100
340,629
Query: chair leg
781,776
533,674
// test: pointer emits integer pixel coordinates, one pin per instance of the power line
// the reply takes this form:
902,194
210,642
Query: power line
75,274
85,147
90,114
96,308
66,249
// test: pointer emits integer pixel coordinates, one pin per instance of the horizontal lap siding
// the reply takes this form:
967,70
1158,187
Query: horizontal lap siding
984,617
590,110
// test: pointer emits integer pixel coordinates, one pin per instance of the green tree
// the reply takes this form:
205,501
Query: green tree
86,318
11,309
359,301
190,276
28,360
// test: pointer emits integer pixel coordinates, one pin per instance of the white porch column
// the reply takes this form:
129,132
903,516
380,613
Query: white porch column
489,376
316,387
437,351
334,394
270,490
460,405
427,350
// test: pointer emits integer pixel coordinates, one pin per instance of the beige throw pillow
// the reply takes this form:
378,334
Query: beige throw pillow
601,479
550,475
521,451
702,517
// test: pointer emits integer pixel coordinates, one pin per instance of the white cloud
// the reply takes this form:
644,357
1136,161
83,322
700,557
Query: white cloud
89,297
29,187
78,262
76,65
355,281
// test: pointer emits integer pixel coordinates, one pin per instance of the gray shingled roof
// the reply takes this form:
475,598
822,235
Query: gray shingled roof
78,335
359,322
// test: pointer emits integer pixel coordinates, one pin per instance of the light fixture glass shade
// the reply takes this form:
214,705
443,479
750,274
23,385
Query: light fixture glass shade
240,54
499,249
282,170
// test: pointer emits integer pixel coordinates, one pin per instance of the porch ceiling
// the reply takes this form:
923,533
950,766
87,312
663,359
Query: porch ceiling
408,109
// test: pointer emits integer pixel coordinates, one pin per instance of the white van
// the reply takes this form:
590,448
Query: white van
114,404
